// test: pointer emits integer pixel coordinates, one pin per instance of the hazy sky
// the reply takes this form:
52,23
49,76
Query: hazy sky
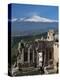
24,10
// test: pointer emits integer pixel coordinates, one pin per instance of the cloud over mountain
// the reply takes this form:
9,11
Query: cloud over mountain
12,20
36,18
33,18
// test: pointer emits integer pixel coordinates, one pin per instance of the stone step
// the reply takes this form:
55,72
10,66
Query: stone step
29,69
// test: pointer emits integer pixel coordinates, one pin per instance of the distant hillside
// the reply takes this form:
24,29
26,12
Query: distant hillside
16,39
29,28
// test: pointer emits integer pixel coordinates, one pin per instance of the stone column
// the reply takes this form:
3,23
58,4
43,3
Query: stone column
28,55
37,56
22,56
44,58
33,56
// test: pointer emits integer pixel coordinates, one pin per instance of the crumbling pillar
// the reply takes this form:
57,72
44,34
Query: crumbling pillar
33,56
28,55
22,56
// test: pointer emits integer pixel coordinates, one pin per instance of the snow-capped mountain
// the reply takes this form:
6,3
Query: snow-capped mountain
33,18
36,18
32,25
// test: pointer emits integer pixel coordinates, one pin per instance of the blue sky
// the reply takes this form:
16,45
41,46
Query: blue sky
23,10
